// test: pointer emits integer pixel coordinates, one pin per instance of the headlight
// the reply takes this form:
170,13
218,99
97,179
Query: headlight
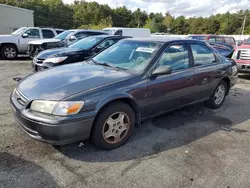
234,56
63,108
55,60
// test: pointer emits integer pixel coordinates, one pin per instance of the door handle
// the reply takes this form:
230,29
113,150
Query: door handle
190,79
205,81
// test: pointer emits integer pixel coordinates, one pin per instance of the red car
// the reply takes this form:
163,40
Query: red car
214,38
242,57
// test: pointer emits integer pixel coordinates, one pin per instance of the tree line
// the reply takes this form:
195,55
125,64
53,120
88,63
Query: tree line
82,14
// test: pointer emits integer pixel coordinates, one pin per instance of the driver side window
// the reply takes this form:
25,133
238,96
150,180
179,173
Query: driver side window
175,56
106,43
32,33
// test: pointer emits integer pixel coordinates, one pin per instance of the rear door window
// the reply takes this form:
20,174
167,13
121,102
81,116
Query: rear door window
81,35
118,32
219,39
202,54
212,39
176,56
47,34
107,43
59,31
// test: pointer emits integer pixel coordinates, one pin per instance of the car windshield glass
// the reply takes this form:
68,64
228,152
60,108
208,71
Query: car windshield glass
63,35
87,43
197,37
19,31
247,41
129,54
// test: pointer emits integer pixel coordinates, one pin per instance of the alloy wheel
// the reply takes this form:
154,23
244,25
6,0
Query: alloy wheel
219,94
116,127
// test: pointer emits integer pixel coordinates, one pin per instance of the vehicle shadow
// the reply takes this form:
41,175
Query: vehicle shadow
19,58
17,172
244,76
168,131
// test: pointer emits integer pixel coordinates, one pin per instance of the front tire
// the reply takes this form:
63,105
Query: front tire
9,52
113,126
218,96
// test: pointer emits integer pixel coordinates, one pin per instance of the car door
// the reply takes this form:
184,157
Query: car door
26,37
207,70
167,92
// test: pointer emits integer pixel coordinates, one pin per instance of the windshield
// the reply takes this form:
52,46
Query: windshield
19,31
63,35
129,54
247,41
197,37
87,43
109,31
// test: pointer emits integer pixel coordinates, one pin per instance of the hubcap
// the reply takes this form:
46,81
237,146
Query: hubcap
10,52
116,127
219,94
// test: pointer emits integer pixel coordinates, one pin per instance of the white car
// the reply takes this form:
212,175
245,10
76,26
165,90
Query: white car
17,42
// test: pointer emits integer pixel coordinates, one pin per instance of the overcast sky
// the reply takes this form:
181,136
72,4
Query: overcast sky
180,7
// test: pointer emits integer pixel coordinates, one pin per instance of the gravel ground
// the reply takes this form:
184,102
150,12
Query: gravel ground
191,147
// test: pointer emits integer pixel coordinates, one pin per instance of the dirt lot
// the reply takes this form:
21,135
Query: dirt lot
192,147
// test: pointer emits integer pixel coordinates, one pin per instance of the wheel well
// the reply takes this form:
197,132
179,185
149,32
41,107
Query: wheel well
128,101
4,44
228,84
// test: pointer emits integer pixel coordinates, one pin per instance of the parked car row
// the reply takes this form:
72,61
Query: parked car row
122,82
17,42
32,40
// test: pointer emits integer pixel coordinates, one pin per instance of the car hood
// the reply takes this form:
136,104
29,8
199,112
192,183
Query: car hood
37,42
56,52
7,37
64,81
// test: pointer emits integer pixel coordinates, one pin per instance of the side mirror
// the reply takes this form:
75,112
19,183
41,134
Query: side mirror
25,35
72,38
162,70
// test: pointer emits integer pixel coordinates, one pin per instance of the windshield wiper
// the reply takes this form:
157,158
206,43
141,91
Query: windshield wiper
105,64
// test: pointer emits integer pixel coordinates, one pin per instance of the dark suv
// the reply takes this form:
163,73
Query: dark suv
134,79
64,39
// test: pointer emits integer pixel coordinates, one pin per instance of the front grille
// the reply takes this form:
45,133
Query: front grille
34,49
20,98
38,61
243,54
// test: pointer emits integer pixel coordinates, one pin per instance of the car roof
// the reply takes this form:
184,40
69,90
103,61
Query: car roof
89,30
165,40
203,35
109,36
155,39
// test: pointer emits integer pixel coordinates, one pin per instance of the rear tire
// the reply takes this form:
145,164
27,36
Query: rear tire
113,126
218,97
9,52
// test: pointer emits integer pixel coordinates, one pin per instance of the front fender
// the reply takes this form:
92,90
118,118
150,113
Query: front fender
8,40
115,97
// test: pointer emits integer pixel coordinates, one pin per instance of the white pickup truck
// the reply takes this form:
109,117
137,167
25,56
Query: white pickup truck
17,42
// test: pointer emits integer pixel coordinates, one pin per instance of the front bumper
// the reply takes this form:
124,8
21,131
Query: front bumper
243,66
51,129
